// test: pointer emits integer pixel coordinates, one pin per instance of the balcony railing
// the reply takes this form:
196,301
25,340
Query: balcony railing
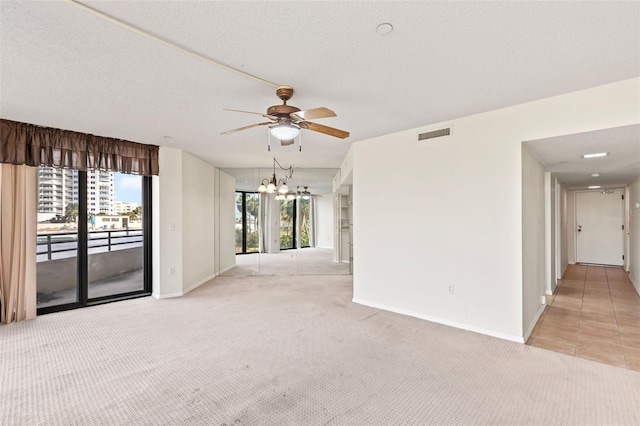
62,244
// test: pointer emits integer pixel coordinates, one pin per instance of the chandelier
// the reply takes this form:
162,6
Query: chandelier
274,185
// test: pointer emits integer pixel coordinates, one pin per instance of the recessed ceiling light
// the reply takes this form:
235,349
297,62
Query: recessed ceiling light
594,187
596,155
384,28
595,174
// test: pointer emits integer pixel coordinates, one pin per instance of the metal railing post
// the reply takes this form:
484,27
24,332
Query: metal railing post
49,247
109,239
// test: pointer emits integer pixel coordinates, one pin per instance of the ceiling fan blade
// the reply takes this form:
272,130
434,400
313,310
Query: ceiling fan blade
287,142
312,114
246,127
324,129
246,112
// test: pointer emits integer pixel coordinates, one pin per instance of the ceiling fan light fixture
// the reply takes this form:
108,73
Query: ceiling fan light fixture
284,132
595,155
283,189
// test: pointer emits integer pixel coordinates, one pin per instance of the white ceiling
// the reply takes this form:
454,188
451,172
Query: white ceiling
562,155
63,67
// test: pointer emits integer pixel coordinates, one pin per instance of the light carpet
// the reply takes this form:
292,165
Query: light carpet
289,350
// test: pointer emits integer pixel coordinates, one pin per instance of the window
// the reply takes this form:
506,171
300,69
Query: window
247,222
305,219
287,224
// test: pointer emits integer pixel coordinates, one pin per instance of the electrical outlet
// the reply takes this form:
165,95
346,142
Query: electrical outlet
172,271
450,288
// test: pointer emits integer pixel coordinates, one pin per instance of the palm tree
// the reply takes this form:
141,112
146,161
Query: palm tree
71,212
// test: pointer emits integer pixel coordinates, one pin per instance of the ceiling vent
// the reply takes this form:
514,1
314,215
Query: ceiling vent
432,134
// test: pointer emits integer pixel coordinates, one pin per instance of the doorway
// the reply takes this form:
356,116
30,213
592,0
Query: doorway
600,227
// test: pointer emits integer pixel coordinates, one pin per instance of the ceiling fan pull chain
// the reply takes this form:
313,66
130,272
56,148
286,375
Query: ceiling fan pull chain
269,142
300,142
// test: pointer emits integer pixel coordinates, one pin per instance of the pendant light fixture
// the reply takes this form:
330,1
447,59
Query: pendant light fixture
273,184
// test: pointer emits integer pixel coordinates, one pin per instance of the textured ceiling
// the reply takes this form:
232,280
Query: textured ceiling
63,67
563,156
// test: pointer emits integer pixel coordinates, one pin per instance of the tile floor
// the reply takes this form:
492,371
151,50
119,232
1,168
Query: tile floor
594,314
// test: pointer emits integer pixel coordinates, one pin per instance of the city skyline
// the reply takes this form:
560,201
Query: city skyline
58,188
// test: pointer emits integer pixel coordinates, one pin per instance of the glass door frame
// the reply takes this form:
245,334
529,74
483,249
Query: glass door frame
244,221
82,262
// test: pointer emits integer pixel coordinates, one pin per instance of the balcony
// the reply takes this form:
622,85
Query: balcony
115,264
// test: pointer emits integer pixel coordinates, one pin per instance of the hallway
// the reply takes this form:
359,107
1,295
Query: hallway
594,314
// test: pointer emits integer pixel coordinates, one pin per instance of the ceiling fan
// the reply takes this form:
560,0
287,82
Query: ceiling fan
303,191
287,120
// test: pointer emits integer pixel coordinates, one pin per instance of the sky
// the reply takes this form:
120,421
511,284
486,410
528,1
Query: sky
129,188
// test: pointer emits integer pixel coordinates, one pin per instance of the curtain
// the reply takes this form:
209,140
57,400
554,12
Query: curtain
22,143
17,252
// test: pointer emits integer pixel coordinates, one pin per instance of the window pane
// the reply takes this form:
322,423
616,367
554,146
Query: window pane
239,227
57,233
116,259
304,221
286,224
252,235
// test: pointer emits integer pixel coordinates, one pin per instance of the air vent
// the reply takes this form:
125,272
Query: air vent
434,134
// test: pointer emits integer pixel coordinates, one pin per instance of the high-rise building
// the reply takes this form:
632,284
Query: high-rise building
101,193
58,188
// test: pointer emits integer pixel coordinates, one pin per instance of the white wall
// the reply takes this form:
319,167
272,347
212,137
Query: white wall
185,244
571,227
324,221
456,218
167,224
564,225
272,222
534,241
198,212
634,233
227,222
550,233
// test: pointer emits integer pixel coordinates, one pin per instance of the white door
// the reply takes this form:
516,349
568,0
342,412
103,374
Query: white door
599,233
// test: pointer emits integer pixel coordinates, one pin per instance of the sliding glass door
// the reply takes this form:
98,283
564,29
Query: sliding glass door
57,244
304,205
287,224
247,221
93,238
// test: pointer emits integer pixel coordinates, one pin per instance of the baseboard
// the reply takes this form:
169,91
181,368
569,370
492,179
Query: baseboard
442,321
534,322
198,284
635,285
168,295
226,269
